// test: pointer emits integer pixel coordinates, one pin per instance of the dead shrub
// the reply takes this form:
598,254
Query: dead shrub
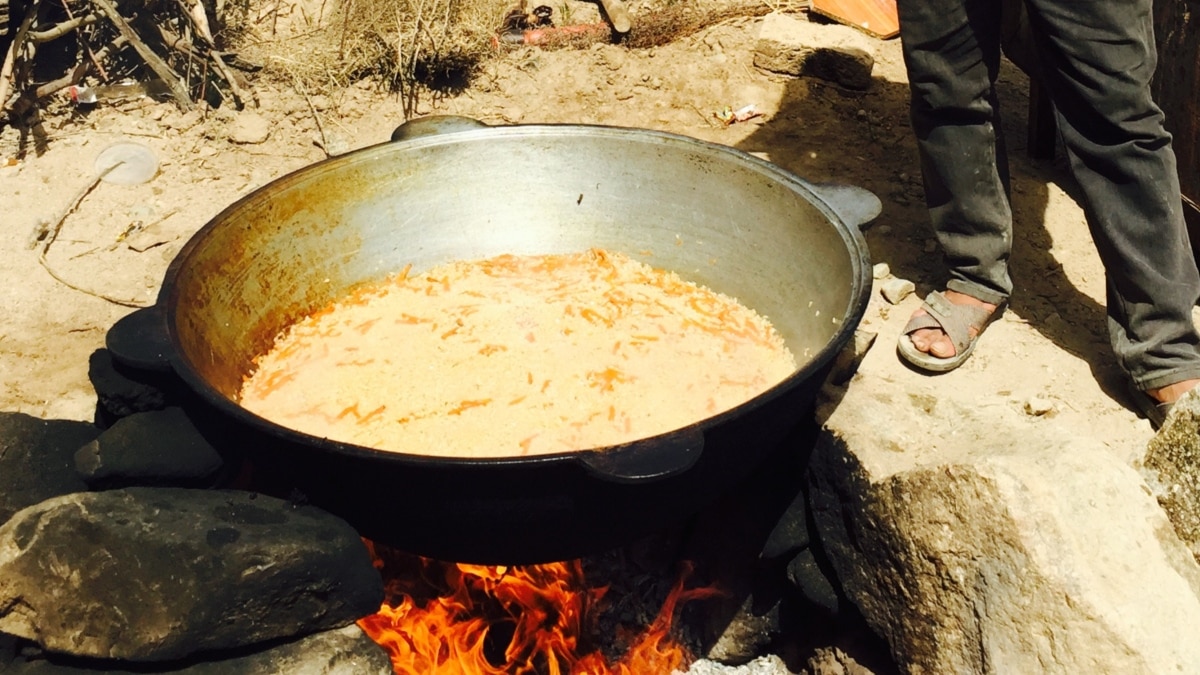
408,46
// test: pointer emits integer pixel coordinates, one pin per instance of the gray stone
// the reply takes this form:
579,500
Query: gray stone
121,392
895,290
151,448
831,52
1171,467
746,635
972,546
834,661
36,459
763,665
343,651
790,533
157,574
806,576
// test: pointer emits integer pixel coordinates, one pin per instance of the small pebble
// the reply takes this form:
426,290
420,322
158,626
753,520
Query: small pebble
896,290
1038,406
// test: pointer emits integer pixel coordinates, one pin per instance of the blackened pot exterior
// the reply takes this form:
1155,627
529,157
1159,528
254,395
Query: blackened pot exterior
719,217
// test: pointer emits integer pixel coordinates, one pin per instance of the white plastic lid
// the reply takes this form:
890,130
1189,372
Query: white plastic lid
126,163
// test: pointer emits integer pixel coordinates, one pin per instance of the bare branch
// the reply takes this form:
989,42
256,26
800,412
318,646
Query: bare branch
160,68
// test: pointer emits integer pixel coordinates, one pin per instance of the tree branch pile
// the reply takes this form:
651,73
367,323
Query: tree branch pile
165,45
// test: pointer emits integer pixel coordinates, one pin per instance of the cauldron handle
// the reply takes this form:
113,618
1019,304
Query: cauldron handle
435,124
650,459
855,206
140,340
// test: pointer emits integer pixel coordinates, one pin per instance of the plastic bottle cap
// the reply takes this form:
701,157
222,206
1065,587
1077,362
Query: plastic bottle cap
126,163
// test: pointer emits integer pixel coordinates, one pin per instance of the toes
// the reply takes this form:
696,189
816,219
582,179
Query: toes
924,337
942,348
933,341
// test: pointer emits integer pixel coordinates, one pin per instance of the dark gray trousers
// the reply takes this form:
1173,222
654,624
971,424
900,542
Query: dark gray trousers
1097,58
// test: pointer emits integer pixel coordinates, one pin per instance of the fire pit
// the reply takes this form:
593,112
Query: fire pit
660,601
714,495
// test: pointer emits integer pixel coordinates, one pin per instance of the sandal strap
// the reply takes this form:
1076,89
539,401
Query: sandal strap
956,321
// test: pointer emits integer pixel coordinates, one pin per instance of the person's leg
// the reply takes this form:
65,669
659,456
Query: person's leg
952,52
1099,57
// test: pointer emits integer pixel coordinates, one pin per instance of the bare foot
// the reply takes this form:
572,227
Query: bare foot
1172,392
934,341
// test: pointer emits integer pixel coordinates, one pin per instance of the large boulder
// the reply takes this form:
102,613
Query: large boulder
37,459
156,574
1171,468
342,651
974,546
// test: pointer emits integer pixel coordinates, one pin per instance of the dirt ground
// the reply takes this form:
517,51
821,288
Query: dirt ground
1049,357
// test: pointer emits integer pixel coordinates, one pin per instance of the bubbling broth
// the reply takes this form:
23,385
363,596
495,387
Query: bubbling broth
516,355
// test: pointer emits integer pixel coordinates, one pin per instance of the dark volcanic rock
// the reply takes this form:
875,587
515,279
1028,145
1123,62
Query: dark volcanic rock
157,574
36,459
344,651
160,447
122,391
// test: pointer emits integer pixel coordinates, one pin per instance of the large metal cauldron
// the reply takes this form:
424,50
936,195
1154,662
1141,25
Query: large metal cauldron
453,189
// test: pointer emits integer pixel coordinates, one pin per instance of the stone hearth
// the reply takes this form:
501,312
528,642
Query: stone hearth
133,545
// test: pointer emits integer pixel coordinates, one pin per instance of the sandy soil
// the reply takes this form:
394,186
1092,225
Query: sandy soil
1049,357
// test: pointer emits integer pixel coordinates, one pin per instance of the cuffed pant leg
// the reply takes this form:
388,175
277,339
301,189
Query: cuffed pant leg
952,51
1099,56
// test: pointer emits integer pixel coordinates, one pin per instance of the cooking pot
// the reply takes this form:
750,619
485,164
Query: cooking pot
450,188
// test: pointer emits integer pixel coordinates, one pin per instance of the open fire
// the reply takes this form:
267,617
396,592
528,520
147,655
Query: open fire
452,618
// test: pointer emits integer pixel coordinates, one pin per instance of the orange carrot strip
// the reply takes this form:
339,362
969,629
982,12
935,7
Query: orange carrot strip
467,405
276,380
365,326
372,415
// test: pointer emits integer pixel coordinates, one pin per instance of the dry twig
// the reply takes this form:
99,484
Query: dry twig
14,49
160,68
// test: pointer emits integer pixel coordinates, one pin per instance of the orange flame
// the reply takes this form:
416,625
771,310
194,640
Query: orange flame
451,619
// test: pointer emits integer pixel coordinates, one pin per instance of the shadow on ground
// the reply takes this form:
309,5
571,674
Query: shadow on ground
874,149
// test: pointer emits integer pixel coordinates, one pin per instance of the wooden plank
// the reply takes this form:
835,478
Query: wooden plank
875,17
